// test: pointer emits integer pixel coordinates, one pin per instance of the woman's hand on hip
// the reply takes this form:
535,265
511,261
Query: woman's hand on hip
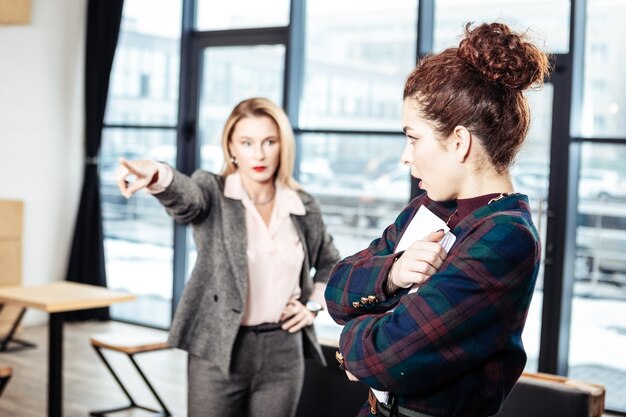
143,171
419,262
295,316
351,377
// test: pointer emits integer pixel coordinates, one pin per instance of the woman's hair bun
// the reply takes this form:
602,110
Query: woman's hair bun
503,56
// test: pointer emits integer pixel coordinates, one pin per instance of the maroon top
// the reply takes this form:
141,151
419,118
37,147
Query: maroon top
465,206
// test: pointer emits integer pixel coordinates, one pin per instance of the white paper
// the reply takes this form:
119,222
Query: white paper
422,224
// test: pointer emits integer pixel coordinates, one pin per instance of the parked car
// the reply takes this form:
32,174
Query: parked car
315,171
388,195
531,179
601,184
601,242
359,200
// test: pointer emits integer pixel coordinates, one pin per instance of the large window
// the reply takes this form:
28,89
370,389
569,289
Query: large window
604,100
359,182
138,233
547,21
338,69
354,69
144,79
598,336
140,122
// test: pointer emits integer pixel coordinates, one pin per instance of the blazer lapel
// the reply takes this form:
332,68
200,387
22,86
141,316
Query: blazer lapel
235,241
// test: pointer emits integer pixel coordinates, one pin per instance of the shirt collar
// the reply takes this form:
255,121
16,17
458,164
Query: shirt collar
287,200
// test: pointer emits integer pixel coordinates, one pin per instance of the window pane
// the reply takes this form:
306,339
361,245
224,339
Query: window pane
548,20
598,335
229,75
604,103
238,14
138,234
144,79
361,194
232,74
355,68
361,186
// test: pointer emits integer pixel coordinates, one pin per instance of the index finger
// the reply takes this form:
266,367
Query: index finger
121,174
435,236
128,165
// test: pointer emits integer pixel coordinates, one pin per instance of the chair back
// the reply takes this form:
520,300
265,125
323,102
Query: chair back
327,391
546,395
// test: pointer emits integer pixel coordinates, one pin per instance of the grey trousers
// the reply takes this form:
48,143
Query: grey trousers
267,373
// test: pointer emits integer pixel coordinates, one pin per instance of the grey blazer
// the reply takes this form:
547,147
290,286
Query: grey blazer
209,314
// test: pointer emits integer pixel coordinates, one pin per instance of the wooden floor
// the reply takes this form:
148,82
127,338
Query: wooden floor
87,383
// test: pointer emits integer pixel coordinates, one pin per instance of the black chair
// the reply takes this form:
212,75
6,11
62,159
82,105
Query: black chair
130,345
328,392
545,395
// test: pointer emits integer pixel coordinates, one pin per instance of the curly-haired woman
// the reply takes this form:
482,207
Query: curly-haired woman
454,347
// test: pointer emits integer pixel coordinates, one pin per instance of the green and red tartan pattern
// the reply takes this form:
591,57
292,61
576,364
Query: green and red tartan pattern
454,348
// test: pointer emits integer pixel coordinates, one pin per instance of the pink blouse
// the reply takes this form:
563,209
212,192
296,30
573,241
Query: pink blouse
275,253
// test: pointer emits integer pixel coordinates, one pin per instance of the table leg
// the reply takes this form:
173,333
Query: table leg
55,365
8,339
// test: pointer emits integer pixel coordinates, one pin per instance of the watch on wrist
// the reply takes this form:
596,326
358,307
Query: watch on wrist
314,307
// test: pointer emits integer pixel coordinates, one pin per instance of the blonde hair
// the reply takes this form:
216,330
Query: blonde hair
258,107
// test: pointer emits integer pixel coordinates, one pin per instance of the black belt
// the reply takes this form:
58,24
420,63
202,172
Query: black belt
399,411
392,410
261,328
385,410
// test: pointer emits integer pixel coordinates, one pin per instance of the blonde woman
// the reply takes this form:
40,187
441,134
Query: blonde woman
243,315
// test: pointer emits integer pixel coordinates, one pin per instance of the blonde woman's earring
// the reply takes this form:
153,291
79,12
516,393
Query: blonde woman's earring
233,160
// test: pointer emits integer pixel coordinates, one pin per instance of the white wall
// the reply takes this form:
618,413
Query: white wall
41,132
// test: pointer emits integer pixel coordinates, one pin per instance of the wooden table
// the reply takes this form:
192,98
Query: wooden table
56,298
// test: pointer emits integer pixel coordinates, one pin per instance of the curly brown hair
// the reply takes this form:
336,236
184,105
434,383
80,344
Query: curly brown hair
480,85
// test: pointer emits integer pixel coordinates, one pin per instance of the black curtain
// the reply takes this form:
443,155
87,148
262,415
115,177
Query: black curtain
86,262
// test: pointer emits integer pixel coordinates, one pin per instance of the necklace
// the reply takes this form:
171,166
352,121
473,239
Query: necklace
264,202
452,215
499,197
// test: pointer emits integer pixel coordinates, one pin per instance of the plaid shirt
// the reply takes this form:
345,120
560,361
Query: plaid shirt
454,348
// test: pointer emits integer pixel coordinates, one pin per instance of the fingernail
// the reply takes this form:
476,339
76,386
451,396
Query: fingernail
440,230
